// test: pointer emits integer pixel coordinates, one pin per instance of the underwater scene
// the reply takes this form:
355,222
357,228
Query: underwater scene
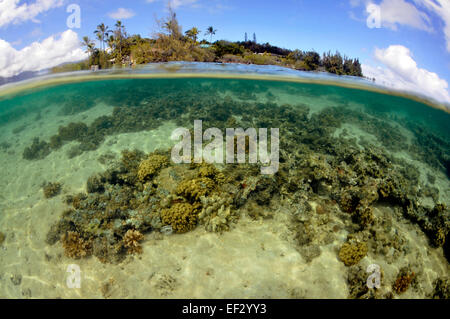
199,183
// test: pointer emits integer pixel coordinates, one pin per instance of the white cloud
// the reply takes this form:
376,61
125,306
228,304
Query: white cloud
174,4
401,72
400,12
121,14
40,55
13,12
179,3
442,9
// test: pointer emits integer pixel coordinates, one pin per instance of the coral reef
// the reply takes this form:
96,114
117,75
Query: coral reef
328,183
75,246
51,189
72,132
131,241
38,150
351,253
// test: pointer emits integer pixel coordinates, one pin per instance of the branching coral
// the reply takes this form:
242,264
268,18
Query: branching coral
151,166
181,216
217,213
75,246
131,241
351,253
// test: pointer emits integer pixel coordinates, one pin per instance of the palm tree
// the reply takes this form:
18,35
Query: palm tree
193,33
112,42
89,44
210,31
102,32
119,34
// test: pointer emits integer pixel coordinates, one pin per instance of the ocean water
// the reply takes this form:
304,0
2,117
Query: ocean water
94,204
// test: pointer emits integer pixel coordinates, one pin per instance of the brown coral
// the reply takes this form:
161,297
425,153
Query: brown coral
181,216
75,246
151,166
131,241
351,253
403,281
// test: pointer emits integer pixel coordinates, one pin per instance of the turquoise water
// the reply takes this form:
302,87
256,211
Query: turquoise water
363,179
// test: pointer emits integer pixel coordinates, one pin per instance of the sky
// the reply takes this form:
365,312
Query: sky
403,44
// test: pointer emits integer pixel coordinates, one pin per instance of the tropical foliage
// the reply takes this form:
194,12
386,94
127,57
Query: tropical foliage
169,43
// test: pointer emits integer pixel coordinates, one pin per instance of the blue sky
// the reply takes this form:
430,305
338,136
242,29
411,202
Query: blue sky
409,47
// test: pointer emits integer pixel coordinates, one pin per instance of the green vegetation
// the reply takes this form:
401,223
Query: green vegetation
119,49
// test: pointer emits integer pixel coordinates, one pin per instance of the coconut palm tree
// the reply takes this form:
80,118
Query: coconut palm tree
119,34
210,31
111,41
89,44
193,34
102,33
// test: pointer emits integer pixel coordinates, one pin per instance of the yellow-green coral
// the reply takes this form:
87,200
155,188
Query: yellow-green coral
181,216
151,166
208,170
193,189
351,253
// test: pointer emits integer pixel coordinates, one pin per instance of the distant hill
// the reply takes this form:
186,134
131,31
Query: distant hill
22,76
